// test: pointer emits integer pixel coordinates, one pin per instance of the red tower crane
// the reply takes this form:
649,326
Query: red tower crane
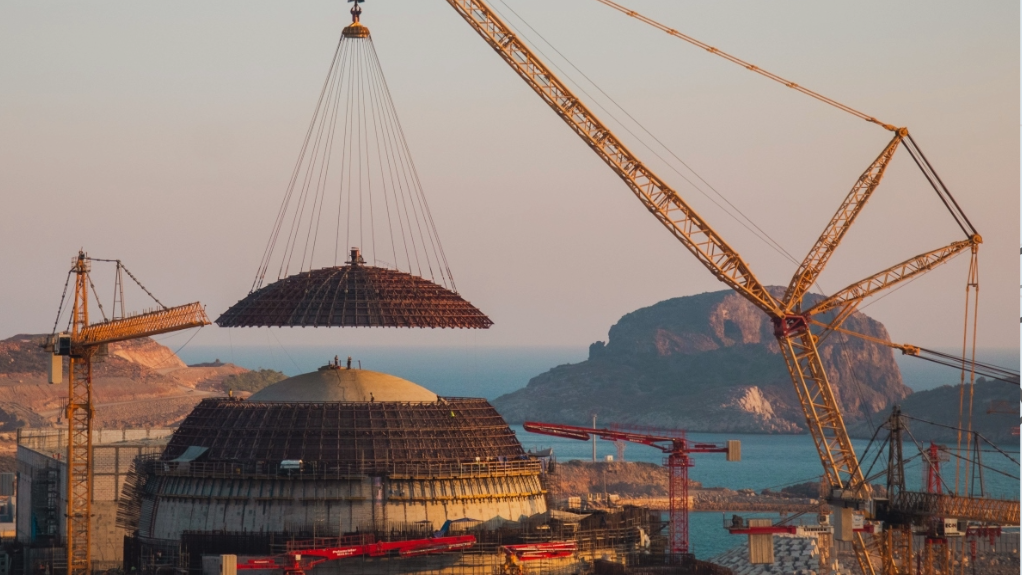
677,448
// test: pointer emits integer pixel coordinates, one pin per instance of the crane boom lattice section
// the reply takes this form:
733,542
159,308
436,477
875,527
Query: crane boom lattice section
892,276
826,425
994,511
143,325
831,237
659,198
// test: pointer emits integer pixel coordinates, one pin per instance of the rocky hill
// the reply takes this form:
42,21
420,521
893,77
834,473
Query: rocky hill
994,413
707,362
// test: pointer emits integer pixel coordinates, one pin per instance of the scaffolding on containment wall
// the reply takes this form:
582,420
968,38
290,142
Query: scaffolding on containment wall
355,437
618,535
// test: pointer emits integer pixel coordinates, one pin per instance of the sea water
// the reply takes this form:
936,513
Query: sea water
768,461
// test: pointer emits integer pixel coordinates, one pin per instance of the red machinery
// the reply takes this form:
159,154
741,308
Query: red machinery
677,448
299,561
536,551
515,555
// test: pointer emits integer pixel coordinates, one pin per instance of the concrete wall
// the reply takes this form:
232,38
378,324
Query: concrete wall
41,451
176,504
33,471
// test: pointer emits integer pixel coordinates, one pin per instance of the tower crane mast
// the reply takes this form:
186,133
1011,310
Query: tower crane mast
798,343
678,449
80,345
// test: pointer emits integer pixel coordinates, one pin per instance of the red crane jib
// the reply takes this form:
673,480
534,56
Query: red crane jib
659,439
309,558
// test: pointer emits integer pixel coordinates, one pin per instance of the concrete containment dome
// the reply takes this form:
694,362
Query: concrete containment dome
339,451
331,384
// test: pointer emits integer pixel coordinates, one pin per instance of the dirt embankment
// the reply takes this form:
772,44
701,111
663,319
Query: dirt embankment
646,484
139,383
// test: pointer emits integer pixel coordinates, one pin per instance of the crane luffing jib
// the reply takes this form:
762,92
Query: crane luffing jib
659,198
141,325
831,237
894,275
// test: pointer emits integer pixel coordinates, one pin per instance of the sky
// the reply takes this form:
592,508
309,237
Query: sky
164,134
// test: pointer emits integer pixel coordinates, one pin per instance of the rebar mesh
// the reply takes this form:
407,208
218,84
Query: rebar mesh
354,296
364,434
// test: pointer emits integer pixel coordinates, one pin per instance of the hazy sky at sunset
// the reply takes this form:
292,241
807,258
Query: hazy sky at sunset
164,134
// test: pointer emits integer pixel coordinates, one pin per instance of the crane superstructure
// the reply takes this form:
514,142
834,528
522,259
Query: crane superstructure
678,449
792,324
80,344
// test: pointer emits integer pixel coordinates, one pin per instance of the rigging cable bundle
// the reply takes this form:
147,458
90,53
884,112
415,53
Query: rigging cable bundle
354,242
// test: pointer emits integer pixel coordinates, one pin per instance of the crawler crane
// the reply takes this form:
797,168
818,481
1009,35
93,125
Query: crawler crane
80,344
889,552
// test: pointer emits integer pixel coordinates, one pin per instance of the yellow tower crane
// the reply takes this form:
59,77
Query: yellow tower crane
80,344
890,552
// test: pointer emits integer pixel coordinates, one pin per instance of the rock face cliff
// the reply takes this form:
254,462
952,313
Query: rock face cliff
707,362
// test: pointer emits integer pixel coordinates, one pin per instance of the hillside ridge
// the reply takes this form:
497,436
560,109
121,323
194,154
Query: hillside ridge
707,362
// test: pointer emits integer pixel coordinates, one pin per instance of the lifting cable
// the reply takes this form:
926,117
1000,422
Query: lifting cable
759,232
938,185
132,276
746,65
96,295
354,151
971,289
983,369
954,428
913,149
60,308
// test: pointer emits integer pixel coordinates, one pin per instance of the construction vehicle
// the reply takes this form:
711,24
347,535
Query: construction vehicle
678,450
797,328
300,561
81,343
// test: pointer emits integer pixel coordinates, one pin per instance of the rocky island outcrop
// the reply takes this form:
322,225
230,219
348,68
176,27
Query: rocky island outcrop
707,362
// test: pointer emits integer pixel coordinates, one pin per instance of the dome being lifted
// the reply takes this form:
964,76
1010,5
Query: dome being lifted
355,295
354,183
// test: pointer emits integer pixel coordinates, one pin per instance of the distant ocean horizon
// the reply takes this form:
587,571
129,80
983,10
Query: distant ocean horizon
494,371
